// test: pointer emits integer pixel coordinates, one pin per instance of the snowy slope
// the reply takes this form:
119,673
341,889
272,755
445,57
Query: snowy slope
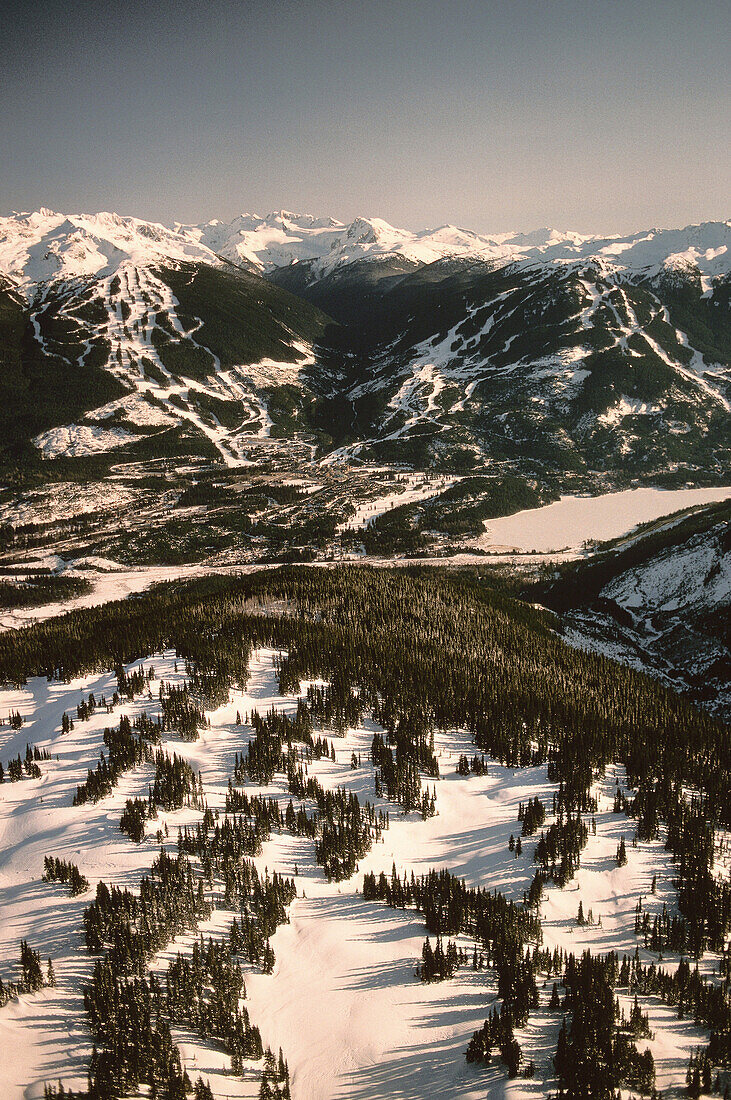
343,1000
661,601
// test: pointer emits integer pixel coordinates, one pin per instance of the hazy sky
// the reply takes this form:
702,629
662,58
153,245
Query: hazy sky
598,115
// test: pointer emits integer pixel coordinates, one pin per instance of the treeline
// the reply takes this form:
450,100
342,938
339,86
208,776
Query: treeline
125,751
694,996
449,907
131,1012
342,827
443,649
594,1056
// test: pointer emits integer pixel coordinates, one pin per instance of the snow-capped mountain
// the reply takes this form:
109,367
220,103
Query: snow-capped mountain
284,238
42,246
45,247
548,351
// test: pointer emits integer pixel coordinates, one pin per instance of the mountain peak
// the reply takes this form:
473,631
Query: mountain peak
45,245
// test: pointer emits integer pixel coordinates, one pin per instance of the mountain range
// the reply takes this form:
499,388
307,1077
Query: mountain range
581,355
289,387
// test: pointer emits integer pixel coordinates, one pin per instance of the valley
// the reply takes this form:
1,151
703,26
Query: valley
364,662
365,551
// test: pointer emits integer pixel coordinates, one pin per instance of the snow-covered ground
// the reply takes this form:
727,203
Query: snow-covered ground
415,487
569,522
343,1001
110,583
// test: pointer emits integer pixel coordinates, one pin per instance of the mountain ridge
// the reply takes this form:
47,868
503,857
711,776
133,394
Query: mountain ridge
548,362
42,246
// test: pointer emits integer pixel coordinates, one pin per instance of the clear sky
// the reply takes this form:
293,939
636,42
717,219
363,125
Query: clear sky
599,115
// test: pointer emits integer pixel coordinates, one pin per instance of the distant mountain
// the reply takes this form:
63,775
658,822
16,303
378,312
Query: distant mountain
284,238
554,354
45,246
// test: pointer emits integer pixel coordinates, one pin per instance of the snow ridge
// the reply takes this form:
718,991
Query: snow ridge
44,246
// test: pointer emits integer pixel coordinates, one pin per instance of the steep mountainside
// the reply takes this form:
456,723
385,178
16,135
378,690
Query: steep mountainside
659,600
549,352
175,357
570,367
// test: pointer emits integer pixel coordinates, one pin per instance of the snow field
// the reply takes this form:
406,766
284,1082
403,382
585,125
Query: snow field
48,1030
343,1001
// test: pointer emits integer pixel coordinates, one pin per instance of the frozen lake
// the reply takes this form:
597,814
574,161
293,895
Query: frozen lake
570,521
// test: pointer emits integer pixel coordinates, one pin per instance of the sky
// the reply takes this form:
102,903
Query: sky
599,115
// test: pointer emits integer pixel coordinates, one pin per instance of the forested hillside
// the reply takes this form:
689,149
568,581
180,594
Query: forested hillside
415,662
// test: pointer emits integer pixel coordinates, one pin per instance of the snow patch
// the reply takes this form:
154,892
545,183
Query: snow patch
78,440
627,406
